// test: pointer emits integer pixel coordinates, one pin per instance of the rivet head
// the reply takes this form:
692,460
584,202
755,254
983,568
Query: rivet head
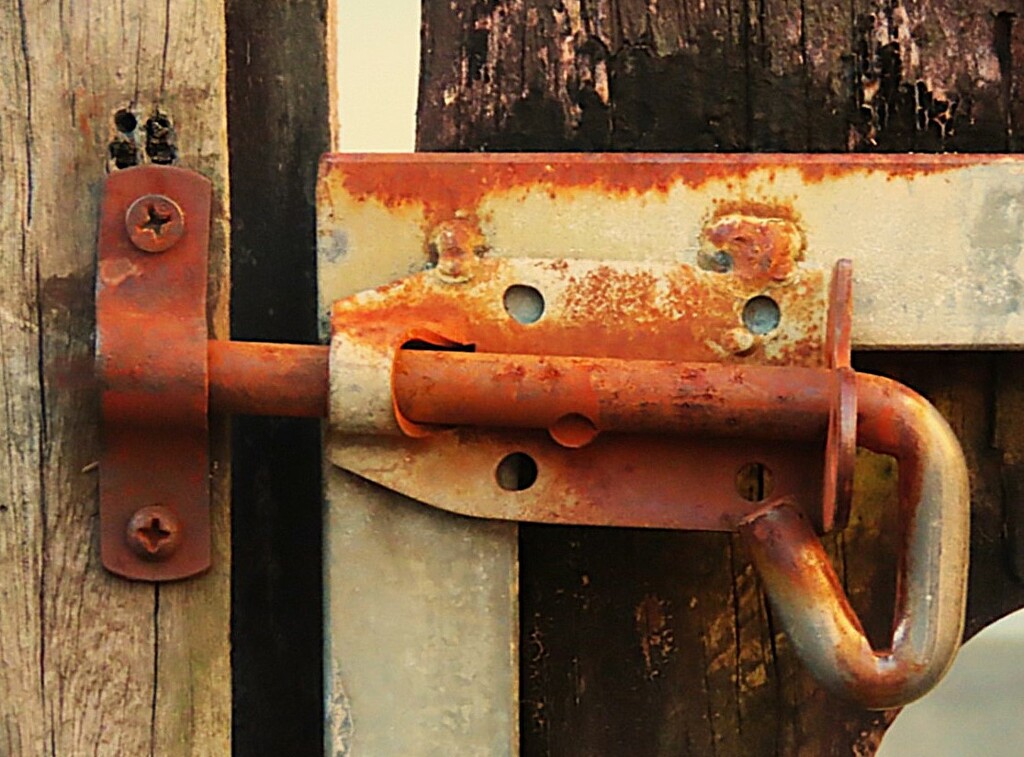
153,532
739,341
456,245
155,223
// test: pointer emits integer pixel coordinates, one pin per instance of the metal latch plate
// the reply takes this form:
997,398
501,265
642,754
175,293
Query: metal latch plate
638,257
937,239
671,311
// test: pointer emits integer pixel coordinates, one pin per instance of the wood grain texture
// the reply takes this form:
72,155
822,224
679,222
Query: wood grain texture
720,75
277,110
660,643
90,664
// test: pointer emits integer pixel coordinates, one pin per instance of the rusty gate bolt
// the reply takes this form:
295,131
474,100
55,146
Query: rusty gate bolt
154,532
154,223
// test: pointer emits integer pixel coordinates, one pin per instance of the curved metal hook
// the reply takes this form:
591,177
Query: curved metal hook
932,582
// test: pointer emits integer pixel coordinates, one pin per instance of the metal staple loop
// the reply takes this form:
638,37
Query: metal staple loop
931,588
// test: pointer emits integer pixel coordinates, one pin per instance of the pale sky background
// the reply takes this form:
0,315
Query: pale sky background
979,707
378,65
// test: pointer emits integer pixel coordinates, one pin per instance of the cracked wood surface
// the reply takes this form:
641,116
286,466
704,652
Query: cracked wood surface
699,75
657,643
91,664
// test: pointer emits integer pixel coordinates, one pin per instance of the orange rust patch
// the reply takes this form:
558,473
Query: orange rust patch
763,249
683,318
657,638
444,184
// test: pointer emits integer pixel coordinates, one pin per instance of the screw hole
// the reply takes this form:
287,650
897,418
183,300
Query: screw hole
125,121
761,315
524,303
516,472
754,482
123,151
160,137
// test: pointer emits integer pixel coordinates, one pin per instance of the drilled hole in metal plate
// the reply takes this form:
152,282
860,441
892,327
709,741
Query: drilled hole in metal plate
524,303
754,482
761,315
516,472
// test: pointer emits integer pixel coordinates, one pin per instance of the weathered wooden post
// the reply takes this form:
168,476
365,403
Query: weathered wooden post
89,663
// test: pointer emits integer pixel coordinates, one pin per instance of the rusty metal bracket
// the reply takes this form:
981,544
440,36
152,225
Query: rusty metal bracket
151,361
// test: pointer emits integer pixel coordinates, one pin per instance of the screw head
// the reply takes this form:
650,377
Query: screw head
153,532
154,223
456,244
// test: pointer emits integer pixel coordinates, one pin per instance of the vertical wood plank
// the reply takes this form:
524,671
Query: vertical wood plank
778,74
98,665
22,721
278,100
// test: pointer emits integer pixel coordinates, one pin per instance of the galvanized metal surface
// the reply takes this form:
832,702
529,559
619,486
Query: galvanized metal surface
421,606
151,335
936,240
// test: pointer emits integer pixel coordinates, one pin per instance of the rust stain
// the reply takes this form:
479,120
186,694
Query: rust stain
686,315
268,379
115,272
781,209
762,248
444,184
627,297
657,638
454,246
